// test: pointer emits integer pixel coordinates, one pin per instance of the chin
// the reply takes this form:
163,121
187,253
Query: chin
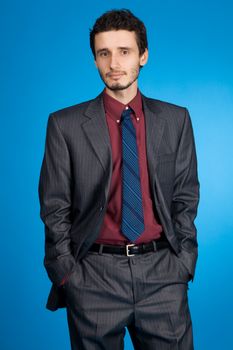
117,87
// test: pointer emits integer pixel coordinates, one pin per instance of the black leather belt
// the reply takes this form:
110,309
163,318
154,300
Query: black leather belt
130,249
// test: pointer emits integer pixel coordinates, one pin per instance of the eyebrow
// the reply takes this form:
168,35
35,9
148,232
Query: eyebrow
119,48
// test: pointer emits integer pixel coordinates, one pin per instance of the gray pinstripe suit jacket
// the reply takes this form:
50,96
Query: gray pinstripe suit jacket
75,179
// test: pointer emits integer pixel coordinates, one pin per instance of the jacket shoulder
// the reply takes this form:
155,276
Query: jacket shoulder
71,116
76,109
173,114
164,105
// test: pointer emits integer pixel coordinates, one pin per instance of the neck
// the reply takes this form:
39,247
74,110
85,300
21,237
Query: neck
123,96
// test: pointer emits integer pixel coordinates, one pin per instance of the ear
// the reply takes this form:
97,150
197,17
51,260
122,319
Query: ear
95,63
144,58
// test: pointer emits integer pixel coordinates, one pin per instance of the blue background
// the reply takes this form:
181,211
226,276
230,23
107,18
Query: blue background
46,64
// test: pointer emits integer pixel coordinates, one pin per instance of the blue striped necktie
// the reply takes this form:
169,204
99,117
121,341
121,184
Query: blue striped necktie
132,224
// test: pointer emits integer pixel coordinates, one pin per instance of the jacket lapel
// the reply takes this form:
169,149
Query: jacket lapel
154,125
96,130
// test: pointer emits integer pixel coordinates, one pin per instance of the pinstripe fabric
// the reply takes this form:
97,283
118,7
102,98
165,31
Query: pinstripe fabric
145,293
76,174
132,211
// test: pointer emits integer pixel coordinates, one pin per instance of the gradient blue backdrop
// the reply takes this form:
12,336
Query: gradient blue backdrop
46,64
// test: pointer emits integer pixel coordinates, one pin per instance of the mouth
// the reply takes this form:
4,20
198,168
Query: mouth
115,75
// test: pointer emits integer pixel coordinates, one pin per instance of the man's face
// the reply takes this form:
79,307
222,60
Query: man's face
117,58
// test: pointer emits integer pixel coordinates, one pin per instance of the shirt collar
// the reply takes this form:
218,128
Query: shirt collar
115,108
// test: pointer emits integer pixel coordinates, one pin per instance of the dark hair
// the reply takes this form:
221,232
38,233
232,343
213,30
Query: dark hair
116,20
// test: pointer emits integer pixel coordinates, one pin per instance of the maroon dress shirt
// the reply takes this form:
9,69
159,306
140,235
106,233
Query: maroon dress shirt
110,232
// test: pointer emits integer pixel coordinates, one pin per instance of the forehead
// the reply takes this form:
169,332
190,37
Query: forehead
115,38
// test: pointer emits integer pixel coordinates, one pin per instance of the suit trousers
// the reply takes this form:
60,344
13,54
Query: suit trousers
146,293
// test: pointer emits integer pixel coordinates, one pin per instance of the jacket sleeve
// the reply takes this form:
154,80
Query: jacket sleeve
186,196
55,203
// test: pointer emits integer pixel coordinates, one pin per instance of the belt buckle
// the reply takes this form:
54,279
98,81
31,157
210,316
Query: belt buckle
127,249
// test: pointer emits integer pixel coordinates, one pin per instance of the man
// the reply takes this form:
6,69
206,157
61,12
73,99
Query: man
119,193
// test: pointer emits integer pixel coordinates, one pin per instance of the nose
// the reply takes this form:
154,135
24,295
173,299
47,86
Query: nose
114,62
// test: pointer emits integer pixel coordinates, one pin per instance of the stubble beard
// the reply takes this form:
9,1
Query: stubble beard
118,86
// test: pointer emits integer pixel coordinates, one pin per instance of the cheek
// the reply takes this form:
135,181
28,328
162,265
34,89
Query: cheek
135,66
101,65
134,71
103,71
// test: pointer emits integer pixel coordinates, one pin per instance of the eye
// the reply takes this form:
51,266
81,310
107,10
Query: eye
124,52
103,54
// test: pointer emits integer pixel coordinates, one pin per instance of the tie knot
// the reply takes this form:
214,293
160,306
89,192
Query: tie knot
126,113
